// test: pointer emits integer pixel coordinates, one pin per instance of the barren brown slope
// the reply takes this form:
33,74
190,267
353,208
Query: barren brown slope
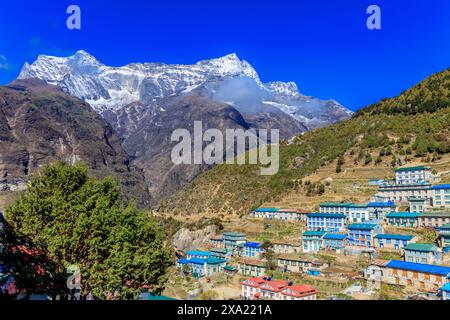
39,124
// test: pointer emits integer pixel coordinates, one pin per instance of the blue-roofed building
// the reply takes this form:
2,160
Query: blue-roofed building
444,291
420,276
362,234
332,222
264,213
403,219
203,267
378,210
253,249
182,262
334,241
312,240
198,254
214,265
392,241
197,267
440,195
353,212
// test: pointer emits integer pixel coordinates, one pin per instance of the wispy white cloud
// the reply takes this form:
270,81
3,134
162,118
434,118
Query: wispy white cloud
4,64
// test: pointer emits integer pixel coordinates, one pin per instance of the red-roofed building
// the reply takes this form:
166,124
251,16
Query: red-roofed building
267,289
299,292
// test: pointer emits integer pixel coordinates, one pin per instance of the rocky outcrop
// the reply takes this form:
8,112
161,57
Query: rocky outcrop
186,239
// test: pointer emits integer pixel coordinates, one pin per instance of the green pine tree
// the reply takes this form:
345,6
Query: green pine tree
70,218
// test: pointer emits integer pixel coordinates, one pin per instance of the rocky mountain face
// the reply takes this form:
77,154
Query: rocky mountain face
145,102
40,124
113,88
185,239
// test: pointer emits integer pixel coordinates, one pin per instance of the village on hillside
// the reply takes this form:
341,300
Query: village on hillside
396,246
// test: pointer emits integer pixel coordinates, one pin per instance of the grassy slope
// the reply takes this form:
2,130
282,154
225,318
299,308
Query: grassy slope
410,132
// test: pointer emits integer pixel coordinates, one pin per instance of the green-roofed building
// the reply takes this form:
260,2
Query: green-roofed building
220,253
234,241
409,182
152,297
403,219
434,219
312,240
412,169
413,175
422,253
444,237
418,204
229,270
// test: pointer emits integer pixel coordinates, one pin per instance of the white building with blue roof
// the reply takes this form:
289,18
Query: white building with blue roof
420,276
392,241
444,291
202,267
379,209
198,254
331,222
334,241
362,234
440,195
253,249
354,212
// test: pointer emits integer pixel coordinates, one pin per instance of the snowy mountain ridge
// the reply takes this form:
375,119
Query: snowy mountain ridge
108,88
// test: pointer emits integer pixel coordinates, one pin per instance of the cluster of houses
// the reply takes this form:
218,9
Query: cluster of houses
414,185
338,226
249,260
206,263
265,288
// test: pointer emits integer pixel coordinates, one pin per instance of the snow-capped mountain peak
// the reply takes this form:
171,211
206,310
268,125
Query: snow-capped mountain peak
108,88
229,65
286,88
83,57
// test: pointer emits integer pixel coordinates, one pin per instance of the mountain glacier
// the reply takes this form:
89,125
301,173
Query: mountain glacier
110,89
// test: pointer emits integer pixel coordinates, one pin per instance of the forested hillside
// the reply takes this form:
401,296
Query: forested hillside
413,126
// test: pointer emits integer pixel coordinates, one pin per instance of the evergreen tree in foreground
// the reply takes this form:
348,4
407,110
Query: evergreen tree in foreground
68,218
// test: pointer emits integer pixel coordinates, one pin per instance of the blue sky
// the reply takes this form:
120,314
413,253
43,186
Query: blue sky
322,45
